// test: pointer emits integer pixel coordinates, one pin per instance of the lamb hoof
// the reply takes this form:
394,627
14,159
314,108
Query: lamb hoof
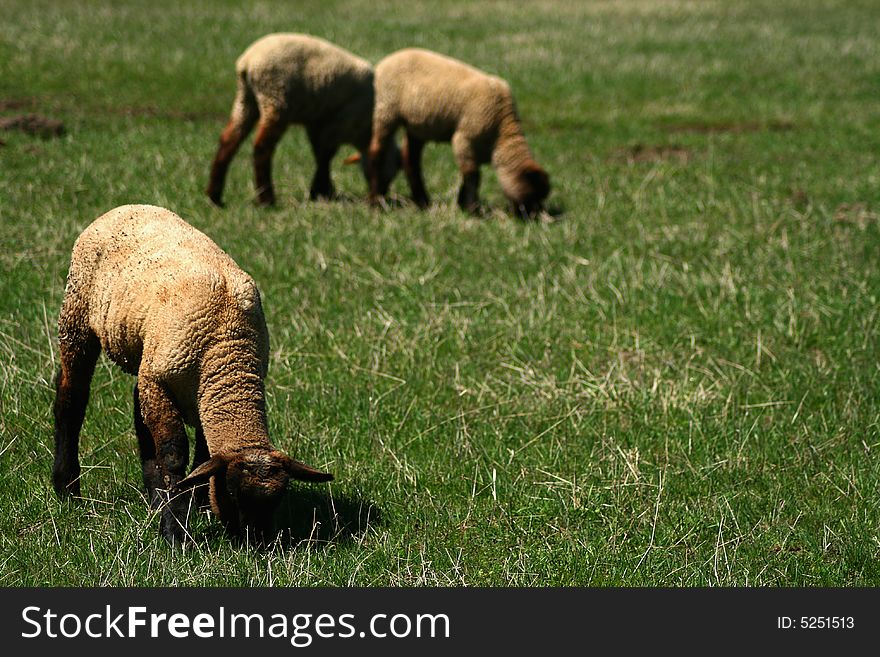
216,198
380,203
65,486
322,192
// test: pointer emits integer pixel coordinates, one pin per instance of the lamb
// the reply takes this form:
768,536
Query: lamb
437,98
167,305
297,78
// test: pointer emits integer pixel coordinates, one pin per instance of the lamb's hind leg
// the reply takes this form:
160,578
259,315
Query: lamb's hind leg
150,467
241,122
381,141
269,132
412,165
79,352
164,455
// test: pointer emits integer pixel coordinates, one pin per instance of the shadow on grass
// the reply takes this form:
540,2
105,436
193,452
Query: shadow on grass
305,518
554,212
550,214
319,519
393,202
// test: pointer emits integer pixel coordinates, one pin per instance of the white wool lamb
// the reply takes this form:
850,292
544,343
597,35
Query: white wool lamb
166,304
297,78
437,98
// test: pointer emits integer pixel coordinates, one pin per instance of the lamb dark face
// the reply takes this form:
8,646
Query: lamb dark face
257,476
247,486
532,187
255,482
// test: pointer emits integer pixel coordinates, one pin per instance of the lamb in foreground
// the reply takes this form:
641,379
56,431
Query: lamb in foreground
168,305
437,98
298,78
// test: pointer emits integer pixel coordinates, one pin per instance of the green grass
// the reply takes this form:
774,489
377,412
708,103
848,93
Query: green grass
675,383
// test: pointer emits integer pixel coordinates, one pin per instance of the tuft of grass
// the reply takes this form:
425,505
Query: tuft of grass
674,382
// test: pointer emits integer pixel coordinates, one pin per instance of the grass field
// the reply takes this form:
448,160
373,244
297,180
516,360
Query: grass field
673,383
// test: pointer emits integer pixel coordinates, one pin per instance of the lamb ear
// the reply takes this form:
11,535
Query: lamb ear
303,472
352,159
204,472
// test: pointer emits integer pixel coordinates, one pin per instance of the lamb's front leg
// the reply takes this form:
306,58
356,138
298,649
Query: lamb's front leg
270,129
164,455
469,167
201,455
79,353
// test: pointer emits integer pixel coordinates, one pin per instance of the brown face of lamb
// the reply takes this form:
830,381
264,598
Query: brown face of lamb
247,486
532,187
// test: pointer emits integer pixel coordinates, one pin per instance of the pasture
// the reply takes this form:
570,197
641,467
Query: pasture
674,380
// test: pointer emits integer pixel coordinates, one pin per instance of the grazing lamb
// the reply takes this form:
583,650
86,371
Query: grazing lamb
169,306
437,98
297,78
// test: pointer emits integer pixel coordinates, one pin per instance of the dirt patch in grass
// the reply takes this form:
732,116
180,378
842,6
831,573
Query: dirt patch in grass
7,104
699,127
799,198
33,124
648,153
